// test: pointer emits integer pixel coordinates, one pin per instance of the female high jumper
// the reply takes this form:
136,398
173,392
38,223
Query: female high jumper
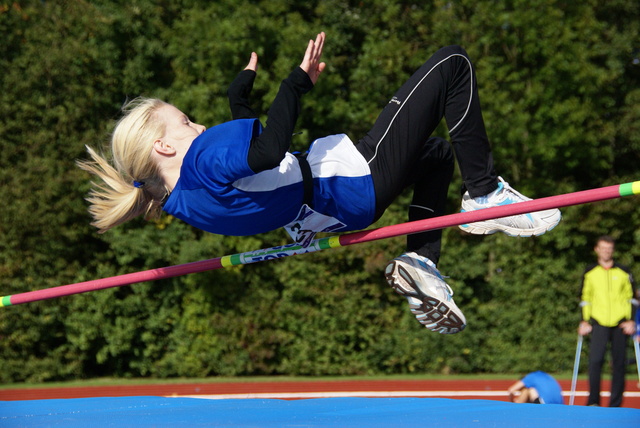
238,178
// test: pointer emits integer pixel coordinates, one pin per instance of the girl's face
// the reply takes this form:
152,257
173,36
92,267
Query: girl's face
180,131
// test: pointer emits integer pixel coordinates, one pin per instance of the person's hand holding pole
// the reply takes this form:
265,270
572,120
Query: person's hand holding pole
628,327
584,328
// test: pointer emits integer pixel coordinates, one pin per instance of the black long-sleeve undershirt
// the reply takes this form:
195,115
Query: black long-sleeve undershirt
267,150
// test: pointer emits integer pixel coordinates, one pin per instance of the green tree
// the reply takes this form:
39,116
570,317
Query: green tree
559,86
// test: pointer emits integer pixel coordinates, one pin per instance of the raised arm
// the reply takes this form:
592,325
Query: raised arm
240,89
269,148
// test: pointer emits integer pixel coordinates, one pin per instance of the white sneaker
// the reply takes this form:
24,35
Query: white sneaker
430,298
531,224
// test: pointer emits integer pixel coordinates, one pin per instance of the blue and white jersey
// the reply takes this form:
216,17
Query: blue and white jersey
218,192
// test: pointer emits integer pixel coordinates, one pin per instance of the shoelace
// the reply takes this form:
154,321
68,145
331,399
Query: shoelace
449,290
510,192
436,273
433,270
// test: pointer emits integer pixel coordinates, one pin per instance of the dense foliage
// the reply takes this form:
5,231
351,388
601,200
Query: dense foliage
560,87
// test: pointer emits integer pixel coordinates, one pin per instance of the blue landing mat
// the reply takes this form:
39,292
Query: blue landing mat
324,412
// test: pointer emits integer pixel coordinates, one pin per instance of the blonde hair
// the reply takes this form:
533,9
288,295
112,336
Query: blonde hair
132,185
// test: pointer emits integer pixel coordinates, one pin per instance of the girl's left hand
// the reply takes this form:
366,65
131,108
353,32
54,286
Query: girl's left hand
311,62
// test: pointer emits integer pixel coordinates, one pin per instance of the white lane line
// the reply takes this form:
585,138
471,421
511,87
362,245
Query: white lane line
372,394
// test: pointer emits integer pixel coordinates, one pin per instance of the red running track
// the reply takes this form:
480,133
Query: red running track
290,390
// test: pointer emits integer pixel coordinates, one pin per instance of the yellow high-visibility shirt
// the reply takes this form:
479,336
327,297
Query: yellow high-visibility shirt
607,294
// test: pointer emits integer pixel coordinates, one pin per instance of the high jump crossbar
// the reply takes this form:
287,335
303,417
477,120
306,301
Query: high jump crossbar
558,201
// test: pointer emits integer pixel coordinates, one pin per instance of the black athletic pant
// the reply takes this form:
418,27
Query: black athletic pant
401,153
600,337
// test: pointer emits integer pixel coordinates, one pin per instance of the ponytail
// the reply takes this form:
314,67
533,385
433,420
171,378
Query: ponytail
130,185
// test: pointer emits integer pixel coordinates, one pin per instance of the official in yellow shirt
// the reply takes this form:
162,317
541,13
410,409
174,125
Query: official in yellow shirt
607,314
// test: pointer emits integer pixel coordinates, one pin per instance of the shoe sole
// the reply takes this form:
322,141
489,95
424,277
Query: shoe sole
524,233
481,228
433,313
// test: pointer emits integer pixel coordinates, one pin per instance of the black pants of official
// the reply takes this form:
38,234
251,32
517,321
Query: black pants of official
600,337
401,151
